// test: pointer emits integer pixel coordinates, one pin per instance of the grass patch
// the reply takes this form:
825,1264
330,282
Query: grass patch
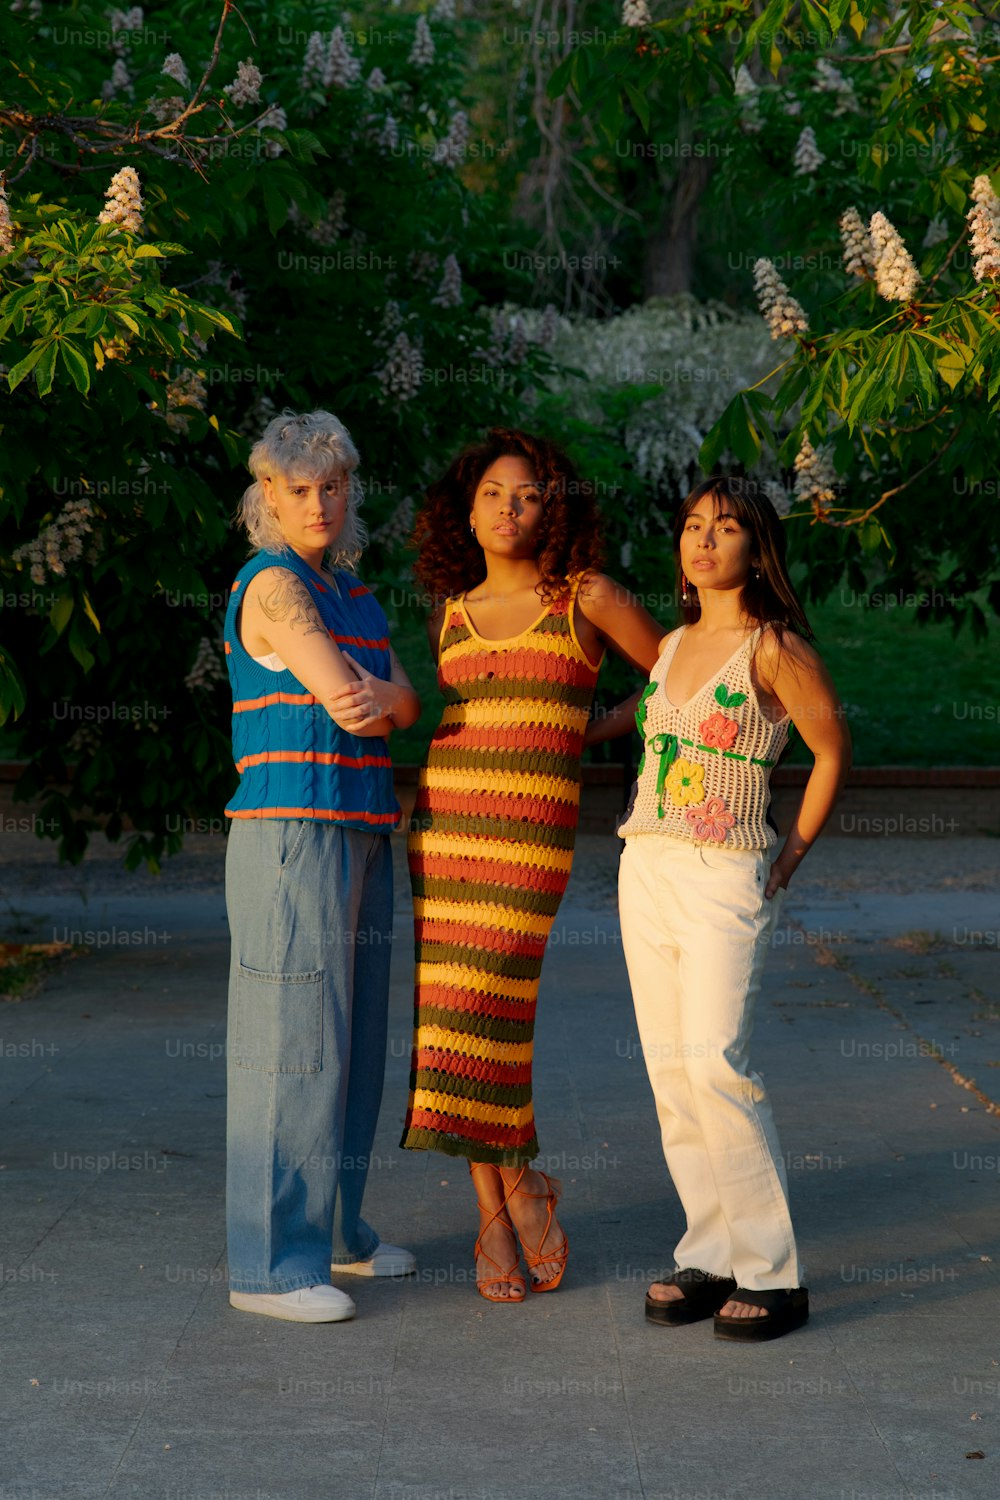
24,967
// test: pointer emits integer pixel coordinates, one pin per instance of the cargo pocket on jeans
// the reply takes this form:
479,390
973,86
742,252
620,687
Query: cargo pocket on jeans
278,1022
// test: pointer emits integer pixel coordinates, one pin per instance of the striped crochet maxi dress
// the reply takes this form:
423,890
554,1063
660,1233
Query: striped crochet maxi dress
490,850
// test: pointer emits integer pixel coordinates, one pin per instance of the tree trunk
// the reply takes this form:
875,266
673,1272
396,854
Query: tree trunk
668,261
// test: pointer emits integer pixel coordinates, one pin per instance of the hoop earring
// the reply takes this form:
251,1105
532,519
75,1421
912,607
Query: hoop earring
472,528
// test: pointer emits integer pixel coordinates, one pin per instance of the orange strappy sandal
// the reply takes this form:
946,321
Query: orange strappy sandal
534,1258
507,1277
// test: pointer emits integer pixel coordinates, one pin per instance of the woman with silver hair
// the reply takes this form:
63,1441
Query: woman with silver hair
316,690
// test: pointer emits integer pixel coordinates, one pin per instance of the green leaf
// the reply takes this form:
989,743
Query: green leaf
88,610
722,695
76,363
45,368
61,613
559,79
735,699
25,366
951,368
13,693
639,103
744,439
147,252
275,203
870,536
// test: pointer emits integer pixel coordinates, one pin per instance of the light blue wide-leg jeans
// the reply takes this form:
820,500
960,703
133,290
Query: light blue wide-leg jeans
310,913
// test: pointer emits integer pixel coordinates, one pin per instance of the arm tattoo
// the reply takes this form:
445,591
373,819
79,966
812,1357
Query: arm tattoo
291,601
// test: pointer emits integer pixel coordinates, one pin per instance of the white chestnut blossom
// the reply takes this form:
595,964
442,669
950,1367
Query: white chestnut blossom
375,80
636,13
273,118
186,389
314,62
120,82
166,109
386,135
123,203
896,277
778,495
449,293
830,80
807,156
245,87
6,228
746,91
937,231
123,20
444,10
403,372
984,230
450,149
815,476
330,227
208,667
783,315
61,542
422,51
859,253
549,326
342,67
394,532
173,66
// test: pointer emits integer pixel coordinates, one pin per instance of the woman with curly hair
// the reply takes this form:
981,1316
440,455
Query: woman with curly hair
510,538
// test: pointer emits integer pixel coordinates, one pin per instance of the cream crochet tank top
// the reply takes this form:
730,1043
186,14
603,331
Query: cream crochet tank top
705,771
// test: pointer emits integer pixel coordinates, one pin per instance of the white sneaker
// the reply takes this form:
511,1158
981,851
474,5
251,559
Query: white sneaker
307,1304
388,1260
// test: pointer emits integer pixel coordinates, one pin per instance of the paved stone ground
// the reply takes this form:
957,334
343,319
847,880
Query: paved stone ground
126,1374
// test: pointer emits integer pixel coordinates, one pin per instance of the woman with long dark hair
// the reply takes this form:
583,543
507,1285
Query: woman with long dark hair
700,888
509,538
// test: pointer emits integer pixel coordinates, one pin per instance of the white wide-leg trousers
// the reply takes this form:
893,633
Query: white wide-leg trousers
696,929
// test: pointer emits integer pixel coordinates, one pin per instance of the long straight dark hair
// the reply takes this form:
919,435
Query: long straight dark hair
770,599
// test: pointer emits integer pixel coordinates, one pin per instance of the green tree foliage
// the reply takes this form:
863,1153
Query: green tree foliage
305,238
882,405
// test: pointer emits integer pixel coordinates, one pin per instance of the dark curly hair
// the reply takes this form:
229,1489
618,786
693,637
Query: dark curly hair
450,560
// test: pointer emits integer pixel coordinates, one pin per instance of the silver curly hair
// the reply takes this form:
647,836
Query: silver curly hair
309,445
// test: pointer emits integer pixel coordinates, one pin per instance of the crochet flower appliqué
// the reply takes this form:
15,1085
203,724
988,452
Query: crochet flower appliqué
718,732
686,783
712,821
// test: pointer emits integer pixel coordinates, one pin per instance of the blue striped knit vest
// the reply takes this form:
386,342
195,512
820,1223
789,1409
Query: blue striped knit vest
293,760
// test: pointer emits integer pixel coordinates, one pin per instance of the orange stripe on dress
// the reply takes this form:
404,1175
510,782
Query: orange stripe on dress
325,814
524,737
359,591
478,938
475,1130
450,997
488,872
312,757
482,1069
229,649
245,705
505,807
236,585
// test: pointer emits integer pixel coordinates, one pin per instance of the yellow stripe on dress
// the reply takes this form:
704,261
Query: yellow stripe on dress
462,846
479,915
475,981
470,1109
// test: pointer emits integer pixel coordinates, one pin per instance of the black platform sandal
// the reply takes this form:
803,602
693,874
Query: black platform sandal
786,1310
702,1296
